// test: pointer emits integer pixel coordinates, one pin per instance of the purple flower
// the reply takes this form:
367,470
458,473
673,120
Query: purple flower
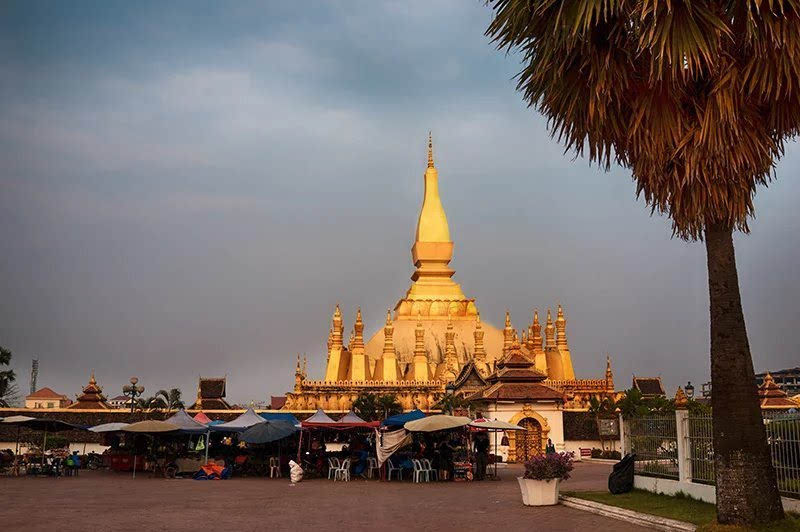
549,466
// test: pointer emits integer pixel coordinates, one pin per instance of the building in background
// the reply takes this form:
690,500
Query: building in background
121,401
649,387
772,397
46,398
787,380
92,398
211,394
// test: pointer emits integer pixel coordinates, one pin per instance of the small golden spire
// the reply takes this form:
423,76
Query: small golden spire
681,401
549,331
305,365
388,316
430,150
91,378
508,319
297,367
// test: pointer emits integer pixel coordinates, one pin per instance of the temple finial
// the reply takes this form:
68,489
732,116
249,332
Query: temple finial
430,150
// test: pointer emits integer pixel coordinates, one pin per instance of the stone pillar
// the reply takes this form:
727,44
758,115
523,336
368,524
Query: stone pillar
624,436
684,449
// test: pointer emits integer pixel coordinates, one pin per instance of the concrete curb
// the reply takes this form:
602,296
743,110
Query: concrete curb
600,460
637,518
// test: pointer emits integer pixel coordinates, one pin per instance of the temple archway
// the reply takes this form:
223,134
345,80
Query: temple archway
524,445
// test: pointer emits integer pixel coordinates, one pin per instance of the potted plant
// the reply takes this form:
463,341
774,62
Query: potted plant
539,484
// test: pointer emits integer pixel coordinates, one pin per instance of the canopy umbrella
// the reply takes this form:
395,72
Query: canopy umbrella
108,427
399,420
241,423
16,419
282,416
318,417
151,426
268,431
38,423
351,417
186,424
437,422
202,418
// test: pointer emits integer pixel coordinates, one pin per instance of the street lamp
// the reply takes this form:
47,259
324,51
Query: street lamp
689,389
133,391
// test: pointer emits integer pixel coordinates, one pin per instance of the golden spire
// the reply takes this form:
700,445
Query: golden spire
305,365
351,341
297,367
388,332
433,247
561,328
91,378
549,331
537,331
508,334
337,328
480,350
358,328
609,373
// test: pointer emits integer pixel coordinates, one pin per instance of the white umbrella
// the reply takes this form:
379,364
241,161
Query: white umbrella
438,422
108,427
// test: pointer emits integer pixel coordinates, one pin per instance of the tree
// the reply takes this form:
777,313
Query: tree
697,99
450,403
170,399
389,405
366,406
9,392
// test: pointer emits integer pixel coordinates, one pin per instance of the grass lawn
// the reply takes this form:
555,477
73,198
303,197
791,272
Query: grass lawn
679,507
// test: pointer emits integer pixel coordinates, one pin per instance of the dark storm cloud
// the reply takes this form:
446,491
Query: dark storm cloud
190,188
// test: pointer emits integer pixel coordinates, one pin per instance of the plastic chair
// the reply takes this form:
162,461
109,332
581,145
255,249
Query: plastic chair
333,465
393,468
343,472
420,473
429,468
372,465
274,467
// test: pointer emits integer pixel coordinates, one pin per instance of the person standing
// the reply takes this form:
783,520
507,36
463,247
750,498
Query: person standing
550,448
481,456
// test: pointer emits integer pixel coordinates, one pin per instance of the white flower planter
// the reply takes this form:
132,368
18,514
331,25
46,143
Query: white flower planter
539,492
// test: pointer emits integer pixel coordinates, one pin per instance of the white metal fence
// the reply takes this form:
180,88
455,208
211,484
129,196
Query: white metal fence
680,446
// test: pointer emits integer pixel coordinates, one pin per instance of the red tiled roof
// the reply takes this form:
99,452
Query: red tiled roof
276,403
649,385
519,391
45,393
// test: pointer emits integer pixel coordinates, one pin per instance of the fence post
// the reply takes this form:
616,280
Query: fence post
684,449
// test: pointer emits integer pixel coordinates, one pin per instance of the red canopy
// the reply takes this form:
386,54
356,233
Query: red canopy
202,418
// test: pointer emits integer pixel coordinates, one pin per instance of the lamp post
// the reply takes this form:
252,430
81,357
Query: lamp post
133,391
449,390
689,389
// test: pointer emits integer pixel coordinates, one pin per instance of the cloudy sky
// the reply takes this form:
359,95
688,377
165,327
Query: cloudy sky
189,188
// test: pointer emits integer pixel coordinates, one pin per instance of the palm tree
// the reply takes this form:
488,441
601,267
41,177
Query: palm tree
366,406
697,99
389,405
9,393
170,399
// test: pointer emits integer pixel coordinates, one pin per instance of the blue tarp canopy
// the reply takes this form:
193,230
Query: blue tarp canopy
401,419
280,416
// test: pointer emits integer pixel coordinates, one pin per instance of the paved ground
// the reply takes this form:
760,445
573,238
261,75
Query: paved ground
109,501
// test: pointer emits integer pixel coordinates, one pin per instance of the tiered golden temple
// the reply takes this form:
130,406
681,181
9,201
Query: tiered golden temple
433,335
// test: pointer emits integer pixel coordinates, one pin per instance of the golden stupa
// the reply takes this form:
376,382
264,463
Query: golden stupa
434,334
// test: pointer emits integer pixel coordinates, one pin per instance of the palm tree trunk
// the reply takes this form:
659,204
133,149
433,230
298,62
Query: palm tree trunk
747,489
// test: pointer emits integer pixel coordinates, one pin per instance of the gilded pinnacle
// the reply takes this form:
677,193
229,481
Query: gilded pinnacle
430,150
